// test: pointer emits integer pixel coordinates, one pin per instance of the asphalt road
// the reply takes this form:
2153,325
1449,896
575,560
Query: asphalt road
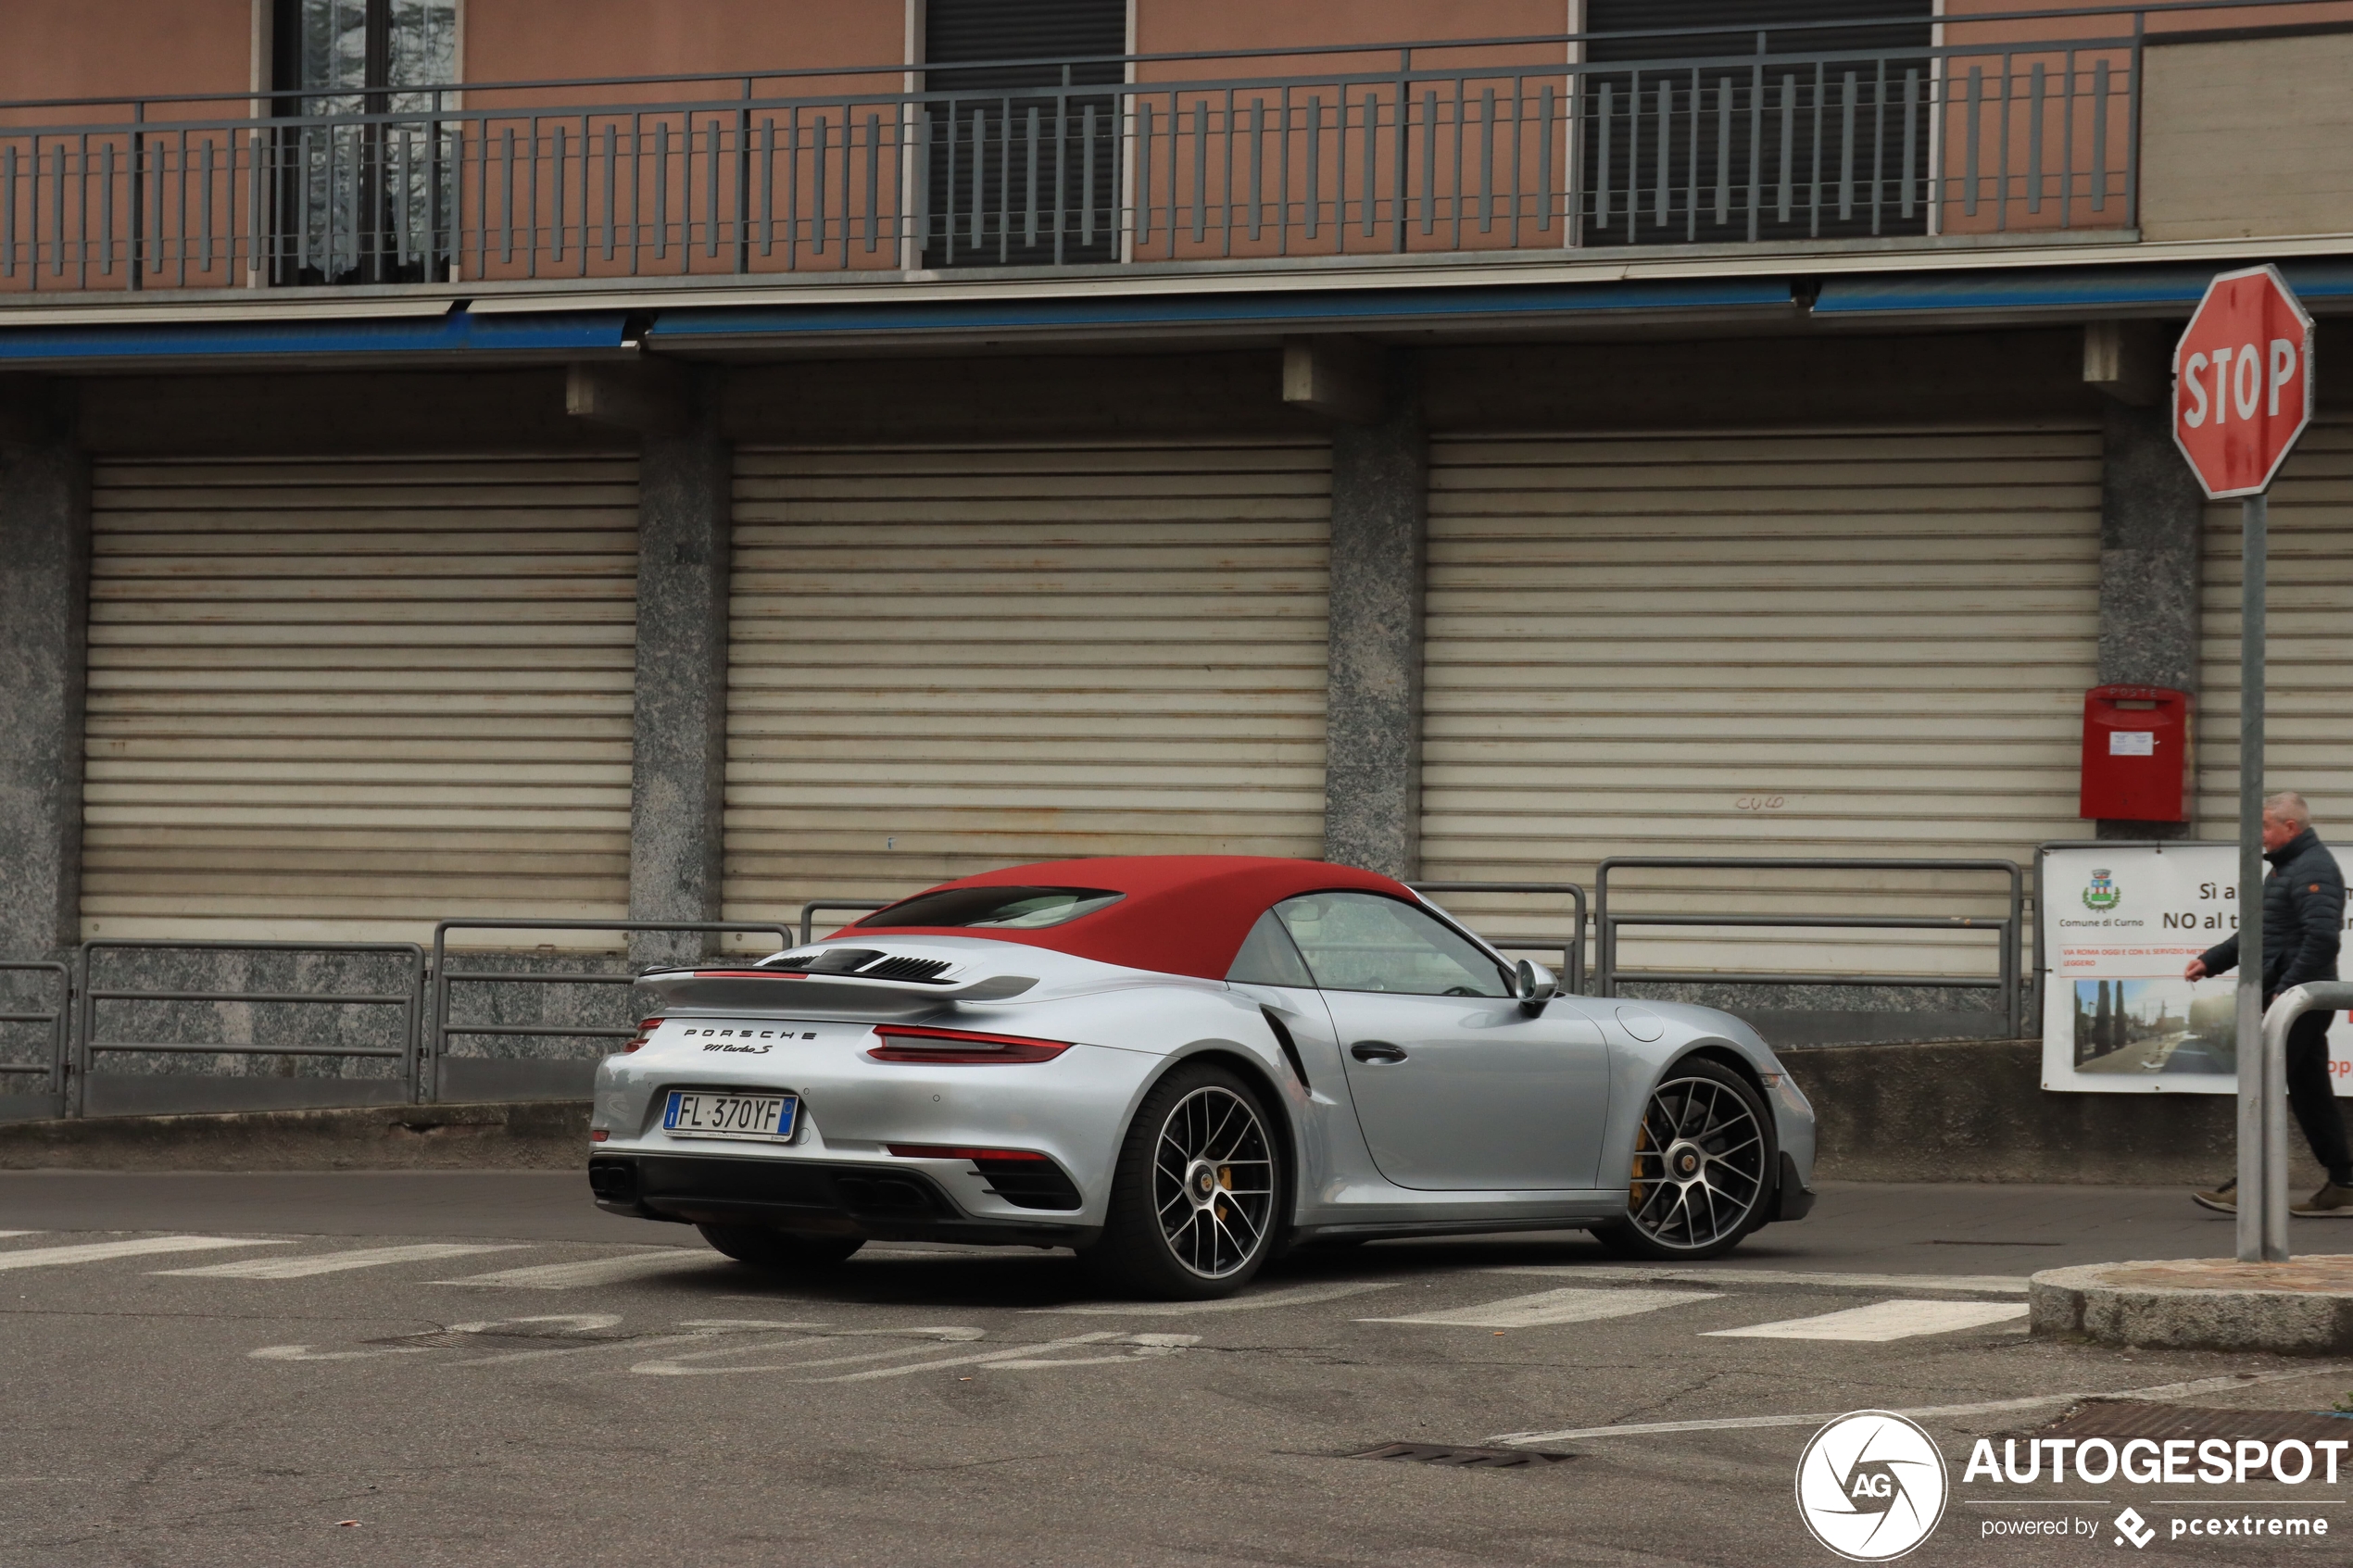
205,1370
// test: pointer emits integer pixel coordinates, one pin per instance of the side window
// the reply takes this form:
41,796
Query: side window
1269,958
1364,942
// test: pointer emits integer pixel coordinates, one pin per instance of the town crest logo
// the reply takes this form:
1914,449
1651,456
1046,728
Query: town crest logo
2101,894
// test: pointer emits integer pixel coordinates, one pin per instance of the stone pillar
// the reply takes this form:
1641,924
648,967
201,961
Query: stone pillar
677,795
45,614
2151,517
1380,515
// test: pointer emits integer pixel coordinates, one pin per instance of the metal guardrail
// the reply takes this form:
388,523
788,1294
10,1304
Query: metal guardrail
58,1019
91,1043
2262,1120
425,1036
2009,929
809,913
1731,138
1572,947
443,977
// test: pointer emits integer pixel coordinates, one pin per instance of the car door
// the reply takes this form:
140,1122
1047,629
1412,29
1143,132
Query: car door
1458,1088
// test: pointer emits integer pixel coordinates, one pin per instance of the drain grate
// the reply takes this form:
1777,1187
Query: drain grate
1477,1458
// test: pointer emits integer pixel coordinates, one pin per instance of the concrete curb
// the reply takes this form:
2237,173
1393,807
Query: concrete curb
528,1135
2135,1304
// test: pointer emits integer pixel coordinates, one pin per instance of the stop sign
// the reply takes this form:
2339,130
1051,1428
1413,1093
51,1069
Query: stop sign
2243,382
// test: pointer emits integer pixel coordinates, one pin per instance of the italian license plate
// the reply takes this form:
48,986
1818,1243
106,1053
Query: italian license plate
704,1114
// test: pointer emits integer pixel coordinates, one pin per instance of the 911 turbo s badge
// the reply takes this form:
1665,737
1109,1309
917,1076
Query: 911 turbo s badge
746,1040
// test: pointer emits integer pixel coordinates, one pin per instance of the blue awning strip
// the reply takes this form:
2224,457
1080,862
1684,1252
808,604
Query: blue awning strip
2060,289
458,331
1367,307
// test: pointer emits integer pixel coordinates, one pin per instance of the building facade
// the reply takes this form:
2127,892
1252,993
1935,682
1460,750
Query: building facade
675,461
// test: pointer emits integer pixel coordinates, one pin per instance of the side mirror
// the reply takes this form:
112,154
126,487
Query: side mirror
1534,986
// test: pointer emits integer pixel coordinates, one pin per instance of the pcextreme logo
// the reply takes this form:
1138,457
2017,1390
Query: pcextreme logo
1871,1486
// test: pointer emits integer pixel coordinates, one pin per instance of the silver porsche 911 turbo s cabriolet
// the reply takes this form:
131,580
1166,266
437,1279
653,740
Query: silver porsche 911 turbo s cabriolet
1180,1066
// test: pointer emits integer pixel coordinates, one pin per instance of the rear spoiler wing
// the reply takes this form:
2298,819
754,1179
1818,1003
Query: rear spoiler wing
768,991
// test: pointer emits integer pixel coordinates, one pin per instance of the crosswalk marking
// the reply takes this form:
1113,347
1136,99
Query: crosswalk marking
1882,1320
96,1251
1298,1296
336,1262
1963,1284
1569,1305
594,1270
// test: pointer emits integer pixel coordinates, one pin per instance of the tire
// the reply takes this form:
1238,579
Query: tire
780,1250
1197,1197
1704,1165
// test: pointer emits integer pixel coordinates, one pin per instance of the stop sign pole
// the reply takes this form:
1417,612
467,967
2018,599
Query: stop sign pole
2242,396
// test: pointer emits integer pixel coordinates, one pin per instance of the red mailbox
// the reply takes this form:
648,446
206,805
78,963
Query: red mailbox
2137,754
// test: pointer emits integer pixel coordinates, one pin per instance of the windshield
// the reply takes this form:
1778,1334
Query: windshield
1002,909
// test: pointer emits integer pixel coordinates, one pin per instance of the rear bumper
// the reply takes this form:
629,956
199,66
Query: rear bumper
808,1197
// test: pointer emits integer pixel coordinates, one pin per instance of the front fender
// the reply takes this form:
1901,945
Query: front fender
1681,1031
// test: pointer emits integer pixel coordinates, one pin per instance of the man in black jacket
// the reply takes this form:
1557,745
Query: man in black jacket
2303,916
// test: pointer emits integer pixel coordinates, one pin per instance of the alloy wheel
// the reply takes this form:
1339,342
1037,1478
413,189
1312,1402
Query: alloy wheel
1213,1182
1699,1165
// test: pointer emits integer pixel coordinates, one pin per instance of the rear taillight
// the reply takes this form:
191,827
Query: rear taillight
646,1027
909,1043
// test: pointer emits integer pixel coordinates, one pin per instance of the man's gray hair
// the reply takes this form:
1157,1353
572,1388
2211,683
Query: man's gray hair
2290,807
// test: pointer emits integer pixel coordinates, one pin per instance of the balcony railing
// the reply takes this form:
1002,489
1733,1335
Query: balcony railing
1354,153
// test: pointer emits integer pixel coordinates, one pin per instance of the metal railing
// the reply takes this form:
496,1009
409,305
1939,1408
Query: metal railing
426,1026
1443,146
57,1018
443,1030
1570,948
809,913
2009,929
91,1043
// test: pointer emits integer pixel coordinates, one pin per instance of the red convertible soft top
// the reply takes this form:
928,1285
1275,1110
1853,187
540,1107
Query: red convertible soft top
1183,914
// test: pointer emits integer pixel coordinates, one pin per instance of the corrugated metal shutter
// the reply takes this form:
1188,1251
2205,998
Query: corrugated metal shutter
1819,643
337,700
947,659
965,31
2308,705
1903,24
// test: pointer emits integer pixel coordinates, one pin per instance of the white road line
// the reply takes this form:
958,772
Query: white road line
1882,1321
94,1251
2158,1393
1016,1352
595,1271
1983,1285
18,1233
676,1366
335,1262
1300,1296
1555,1305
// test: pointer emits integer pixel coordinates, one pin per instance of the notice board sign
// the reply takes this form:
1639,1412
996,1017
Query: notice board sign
2119,925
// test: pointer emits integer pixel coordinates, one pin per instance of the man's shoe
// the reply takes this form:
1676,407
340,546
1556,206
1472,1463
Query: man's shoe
2222,1200
2332,1202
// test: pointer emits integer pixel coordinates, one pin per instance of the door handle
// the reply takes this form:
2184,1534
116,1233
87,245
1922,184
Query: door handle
1376,1050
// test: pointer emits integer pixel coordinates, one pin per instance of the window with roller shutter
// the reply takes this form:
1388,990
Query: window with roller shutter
1672,151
